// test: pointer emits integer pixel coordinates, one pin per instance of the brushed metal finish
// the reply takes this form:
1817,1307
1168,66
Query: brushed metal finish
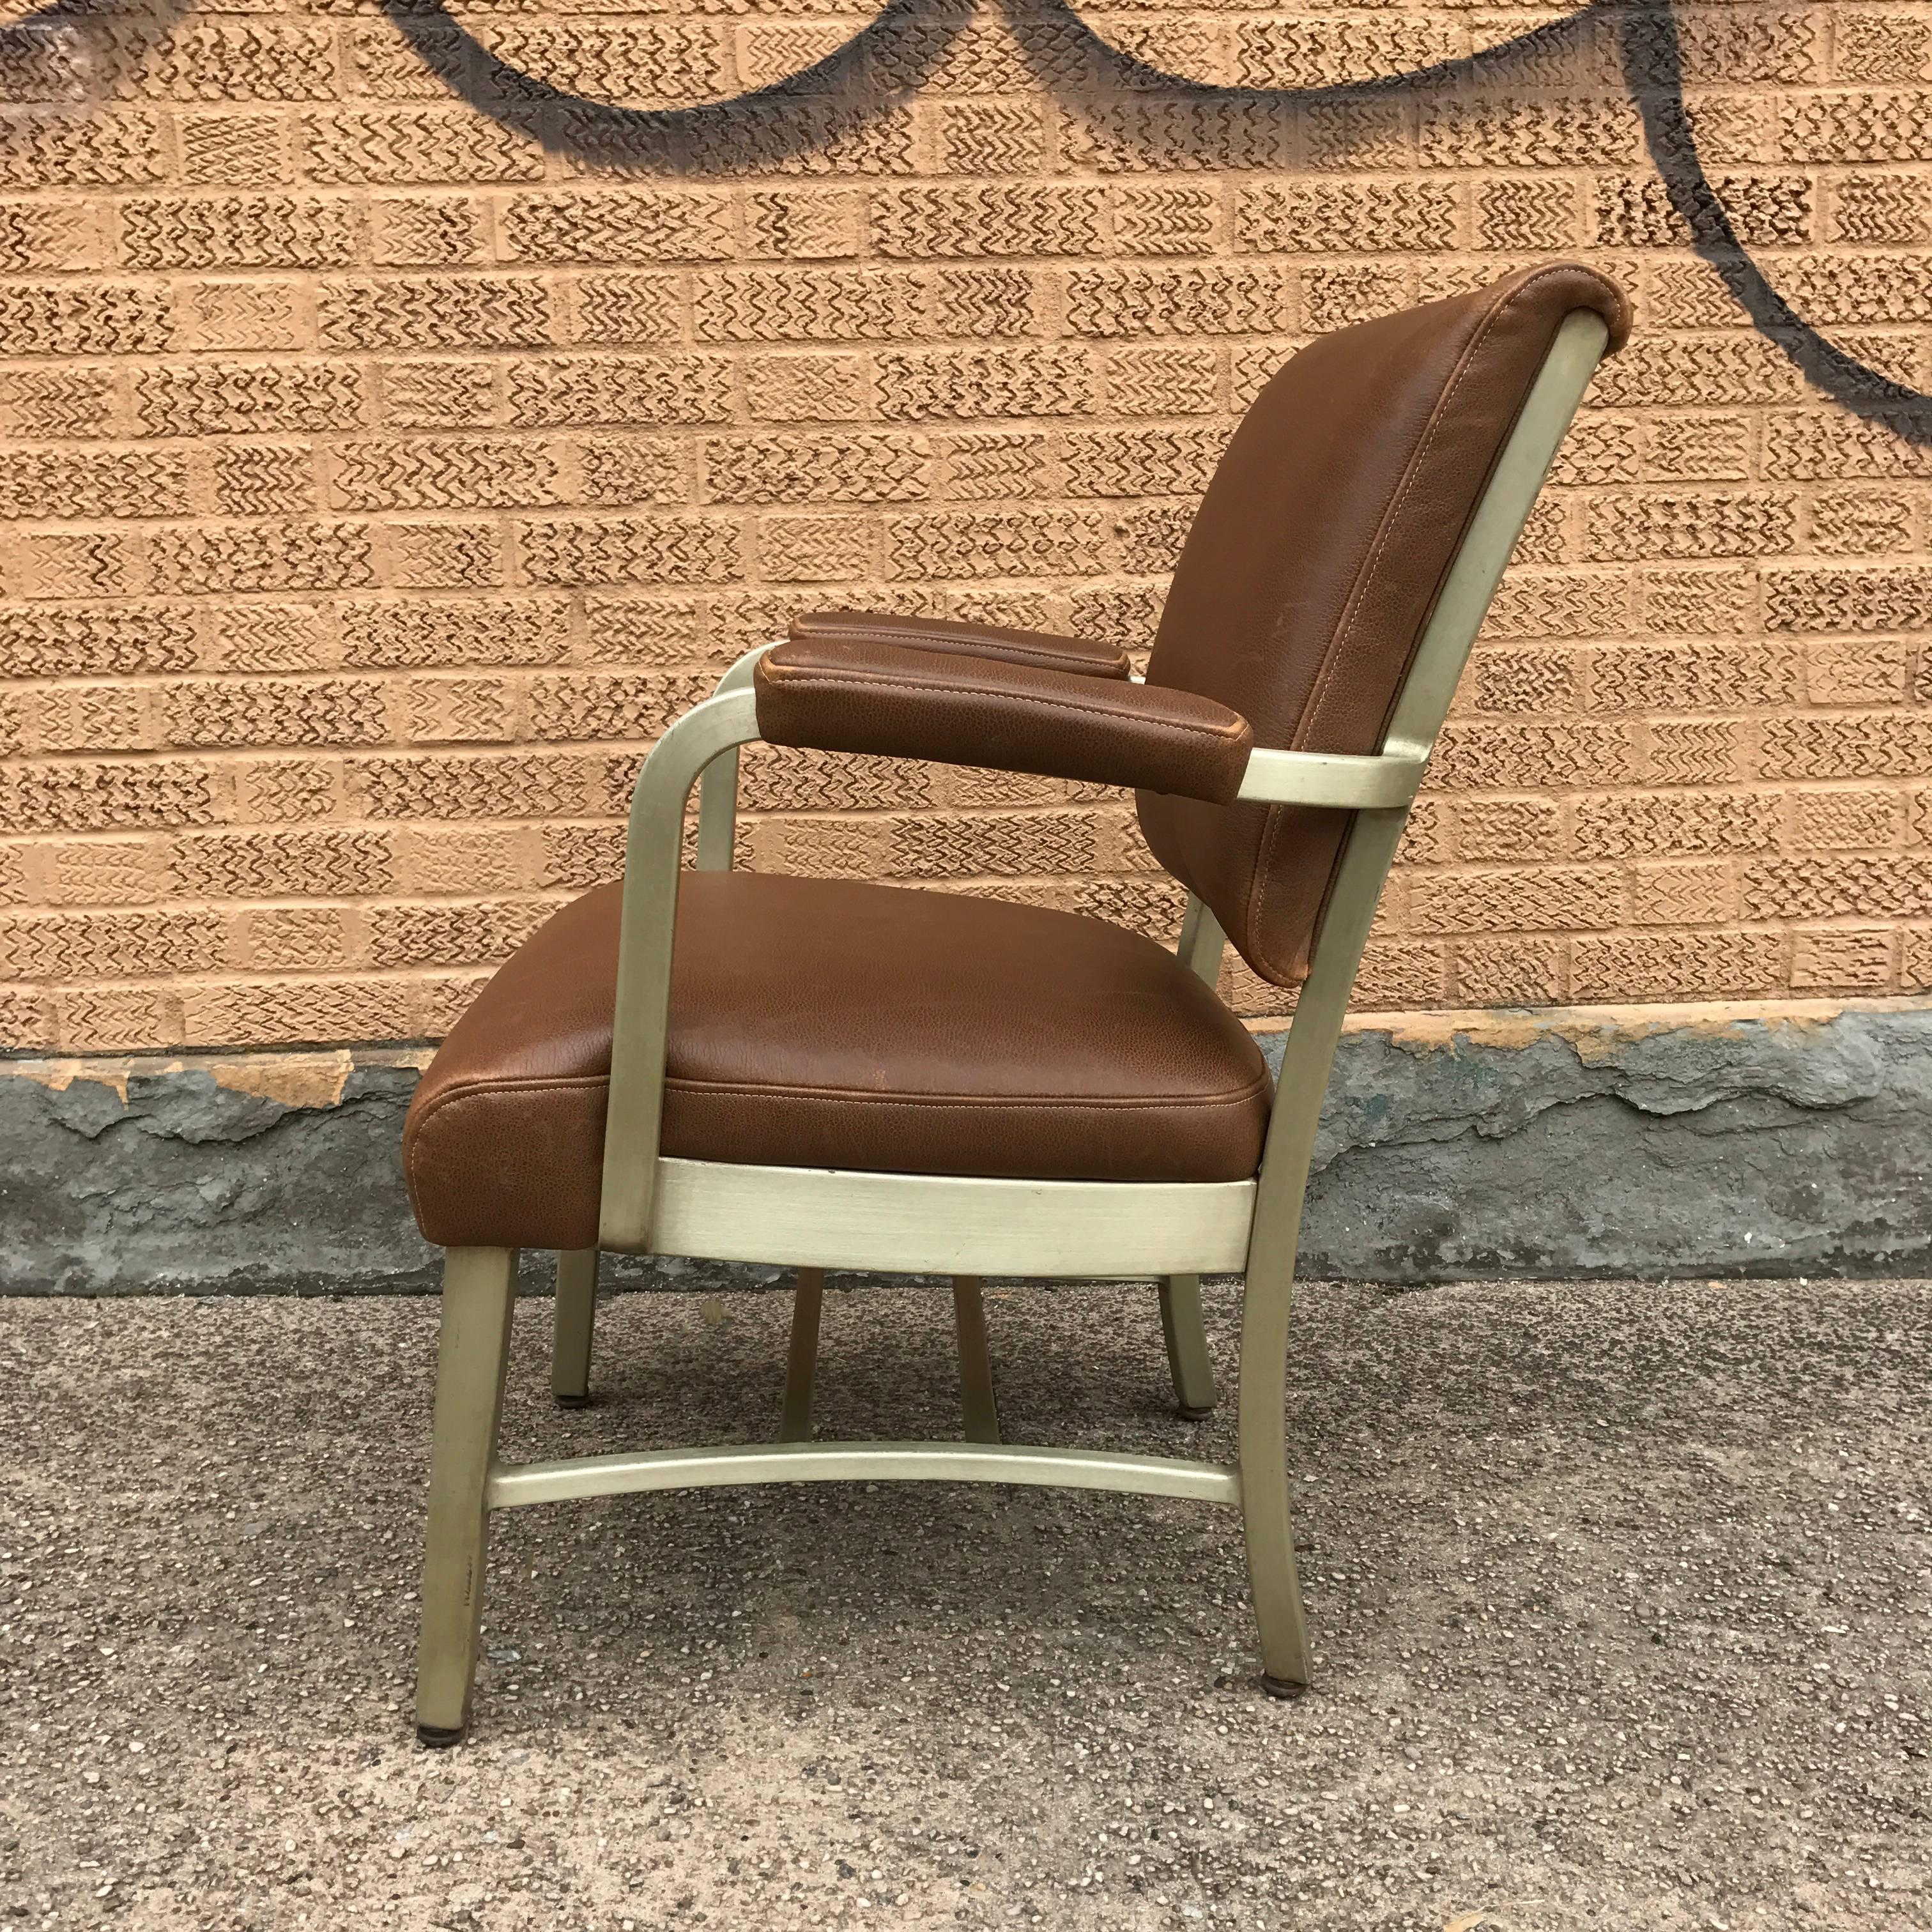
512,1485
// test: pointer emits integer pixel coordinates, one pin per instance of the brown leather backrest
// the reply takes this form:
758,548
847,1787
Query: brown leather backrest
1315,559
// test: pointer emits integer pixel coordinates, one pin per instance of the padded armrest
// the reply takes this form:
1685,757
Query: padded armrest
1043,648
853,695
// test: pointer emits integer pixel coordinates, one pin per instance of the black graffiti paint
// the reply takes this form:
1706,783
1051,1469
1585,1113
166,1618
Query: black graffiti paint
887,59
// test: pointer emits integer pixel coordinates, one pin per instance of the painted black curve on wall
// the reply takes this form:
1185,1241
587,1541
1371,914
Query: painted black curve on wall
810,107
887,59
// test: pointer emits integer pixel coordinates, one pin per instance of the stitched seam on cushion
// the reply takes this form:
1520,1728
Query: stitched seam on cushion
927,640
860,681
1332,655
846,1096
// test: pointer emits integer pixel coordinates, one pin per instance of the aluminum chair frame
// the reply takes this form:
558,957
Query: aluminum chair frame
964,1226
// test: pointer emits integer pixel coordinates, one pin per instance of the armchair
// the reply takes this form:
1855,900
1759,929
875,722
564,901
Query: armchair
821,1073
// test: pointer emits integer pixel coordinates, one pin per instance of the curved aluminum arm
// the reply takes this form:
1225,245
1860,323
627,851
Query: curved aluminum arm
653,850
718,790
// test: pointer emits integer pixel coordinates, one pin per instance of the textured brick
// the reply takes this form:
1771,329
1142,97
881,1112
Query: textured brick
504,785
1539,898
1840,886
455,473
236,1013
619,226
652,63
805,389
994,218
55,403
1323,51
1145,135
1032,843
265,711
1184,379
1631,528
259,479
806,305
417,144
620,705
124,639
1858,745
1524,758
1510,133
1520,212
239,60
629,550
109,945
211,398
451,933
423,231
621,389
991,464
435,312
237,231
1496,828
270,555
1674,965
813,470
1046,380
443,555
1871,599
84,318
1140,462
1216,299
1854,127
93,483
1841,820
991,543
1636,212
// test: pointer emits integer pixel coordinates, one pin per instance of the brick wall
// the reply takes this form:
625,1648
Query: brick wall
378,476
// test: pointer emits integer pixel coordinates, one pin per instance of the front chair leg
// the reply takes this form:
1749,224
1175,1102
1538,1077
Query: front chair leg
576,1326
1187,1358
1273,1576
479,1288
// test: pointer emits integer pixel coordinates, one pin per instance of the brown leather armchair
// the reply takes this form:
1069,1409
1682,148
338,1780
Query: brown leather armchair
824,1073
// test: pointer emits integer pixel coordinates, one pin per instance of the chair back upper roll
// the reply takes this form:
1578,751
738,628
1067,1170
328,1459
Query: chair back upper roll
1314,561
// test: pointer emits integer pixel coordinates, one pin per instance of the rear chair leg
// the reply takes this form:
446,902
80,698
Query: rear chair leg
1186,1335
478,1286
1273,1576
576,1326
975,1362
801,1359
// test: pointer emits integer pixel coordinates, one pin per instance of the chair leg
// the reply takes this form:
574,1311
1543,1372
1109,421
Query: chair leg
1273,1576
975,1362
479,1288
1187,1358
802,1358
576,1326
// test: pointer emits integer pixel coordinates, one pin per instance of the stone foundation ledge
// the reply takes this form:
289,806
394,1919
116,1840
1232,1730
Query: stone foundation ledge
1786,1139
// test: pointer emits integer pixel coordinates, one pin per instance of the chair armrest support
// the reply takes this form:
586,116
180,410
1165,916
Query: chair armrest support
1379,782
1045,650
653,852
856,695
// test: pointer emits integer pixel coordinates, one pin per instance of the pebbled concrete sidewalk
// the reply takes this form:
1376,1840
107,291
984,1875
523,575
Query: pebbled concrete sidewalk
1622,1597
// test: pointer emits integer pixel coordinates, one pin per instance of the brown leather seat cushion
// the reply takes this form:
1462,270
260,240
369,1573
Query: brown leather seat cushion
824,1023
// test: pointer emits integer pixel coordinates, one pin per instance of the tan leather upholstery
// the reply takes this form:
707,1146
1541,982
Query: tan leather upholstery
1048,650
853,693
1314,561
824,1023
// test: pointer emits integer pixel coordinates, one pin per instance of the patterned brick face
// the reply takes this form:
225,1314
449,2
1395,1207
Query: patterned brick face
376,482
